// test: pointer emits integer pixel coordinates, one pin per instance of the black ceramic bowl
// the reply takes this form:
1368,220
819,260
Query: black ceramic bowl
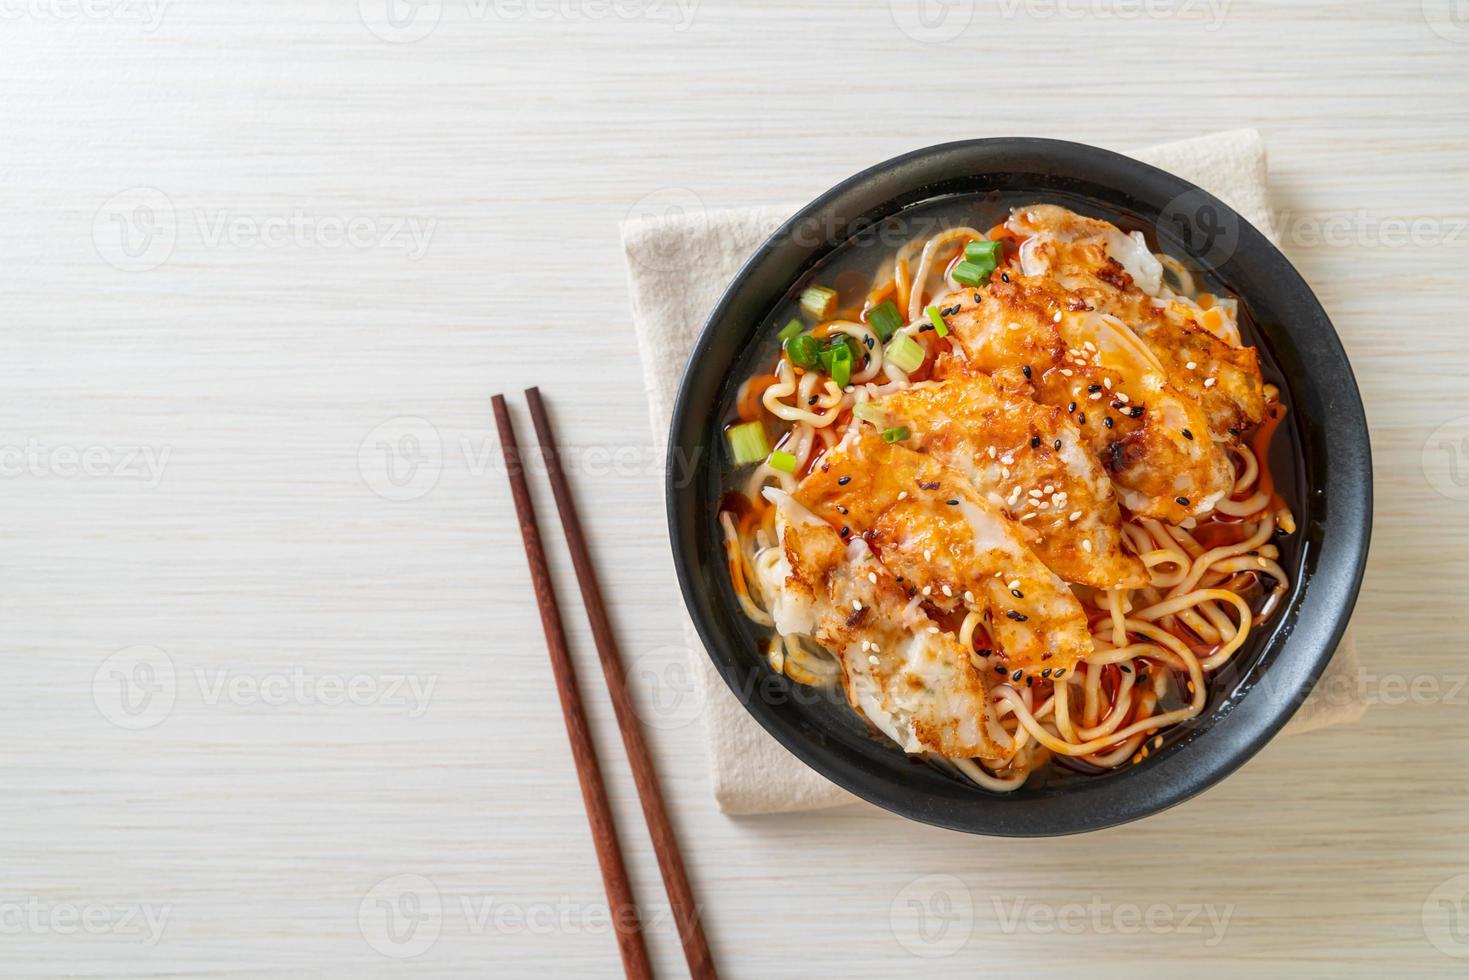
1333,500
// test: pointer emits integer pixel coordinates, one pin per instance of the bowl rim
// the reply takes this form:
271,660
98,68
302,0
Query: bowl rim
1307,633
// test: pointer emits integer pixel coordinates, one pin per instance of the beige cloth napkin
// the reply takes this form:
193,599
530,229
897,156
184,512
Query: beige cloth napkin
753,773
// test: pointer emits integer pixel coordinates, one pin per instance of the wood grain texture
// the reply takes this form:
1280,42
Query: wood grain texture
329,509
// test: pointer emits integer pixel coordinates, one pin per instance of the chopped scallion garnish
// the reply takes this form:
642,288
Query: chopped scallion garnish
983,251
841,366
895,434
885,319
868,412
972,273
791,329
804,350
818,302
783,461
937,319
905,352
748,443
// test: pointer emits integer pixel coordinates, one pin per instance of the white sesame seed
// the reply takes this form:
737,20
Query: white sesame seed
948,592
1007,459
1014,583
1044,505
1120,396
872,577
876,648
928,590
1210,382
1027,515
992,452
866,645
1090,346
1095,396
1036,494
872,660
1004,472
857,604
1050,488
933,629
1075,515
1107,383
927,555
1057,317
1191,365
1086,546
1067,373
903,495
968,596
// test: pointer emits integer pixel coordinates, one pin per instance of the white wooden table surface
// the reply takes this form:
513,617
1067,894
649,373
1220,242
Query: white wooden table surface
269,644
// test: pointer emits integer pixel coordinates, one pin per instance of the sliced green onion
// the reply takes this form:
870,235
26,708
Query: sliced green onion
841,366
895,434
818,302
748,443
982,251
972,273
804,350
937,319
868,412
885,319
905,352
783,461
791,329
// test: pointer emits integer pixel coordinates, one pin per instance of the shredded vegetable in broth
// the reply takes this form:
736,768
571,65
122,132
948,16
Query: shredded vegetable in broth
1007,485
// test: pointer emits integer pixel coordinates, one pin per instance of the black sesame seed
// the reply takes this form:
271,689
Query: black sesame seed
1182,501
1025,369
1017,675
870,341
846,531
1056,445
1035,442
1107,421
952,503
925,328
951,310
1029,680
1137,410
812,399
1060,671
1004,277
1116,404
1081,418
1017,593
1018,617
978,298
985,652
1187,434
1046,672
842,511
844,481
1124,668
1071,407
1093,388
1001,669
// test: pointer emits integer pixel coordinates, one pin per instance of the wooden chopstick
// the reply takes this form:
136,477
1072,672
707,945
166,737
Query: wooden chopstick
589,773
665,844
